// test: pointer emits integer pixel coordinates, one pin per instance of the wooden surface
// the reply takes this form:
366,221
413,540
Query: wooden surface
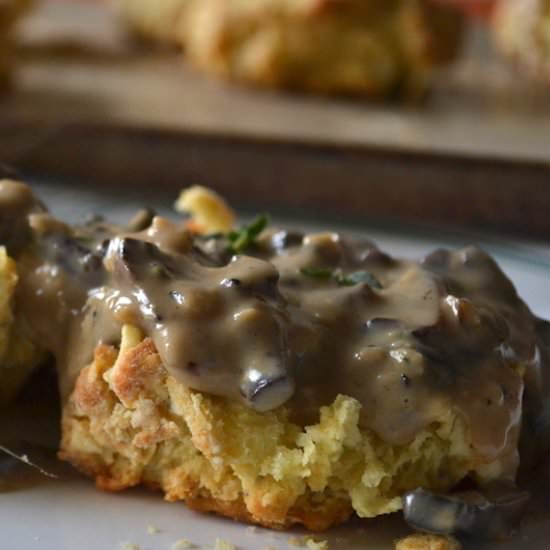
76,65
357,183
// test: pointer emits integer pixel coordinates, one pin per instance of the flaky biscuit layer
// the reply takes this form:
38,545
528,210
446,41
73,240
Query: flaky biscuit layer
129,422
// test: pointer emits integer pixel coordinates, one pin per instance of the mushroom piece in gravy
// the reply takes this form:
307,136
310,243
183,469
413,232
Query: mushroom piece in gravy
492,513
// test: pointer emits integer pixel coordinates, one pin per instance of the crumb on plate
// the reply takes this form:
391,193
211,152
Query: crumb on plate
316,544
420,541
310,542
222,544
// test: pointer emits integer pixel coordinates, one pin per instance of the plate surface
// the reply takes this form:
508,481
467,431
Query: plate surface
72,515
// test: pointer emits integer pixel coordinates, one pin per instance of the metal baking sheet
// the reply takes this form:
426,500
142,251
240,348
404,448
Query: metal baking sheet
351,182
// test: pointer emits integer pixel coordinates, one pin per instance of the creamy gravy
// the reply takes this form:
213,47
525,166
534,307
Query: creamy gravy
298,319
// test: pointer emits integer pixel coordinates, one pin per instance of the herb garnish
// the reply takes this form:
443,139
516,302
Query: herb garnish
352,279
359,277
317,272
245,237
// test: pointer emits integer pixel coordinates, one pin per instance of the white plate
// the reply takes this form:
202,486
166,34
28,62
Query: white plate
72,515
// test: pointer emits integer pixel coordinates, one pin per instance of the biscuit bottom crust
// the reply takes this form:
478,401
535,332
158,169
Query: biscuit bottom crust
128,422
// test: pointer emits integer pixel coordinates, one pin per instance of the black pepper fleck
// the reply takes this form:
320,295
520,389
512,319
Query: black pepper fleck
406,380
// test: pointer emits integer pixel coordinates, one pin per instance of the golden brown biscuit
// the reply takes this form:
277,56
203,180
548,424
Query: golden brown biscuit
522,32
268,375
427,542
129,422
372,48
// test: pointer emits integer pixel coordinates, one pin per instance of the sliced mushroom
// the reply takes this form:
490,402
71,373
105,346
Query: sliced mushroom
266,391
137,259
256,278
285,239
366,252
141,220
493,512
17,201
72,254
383,324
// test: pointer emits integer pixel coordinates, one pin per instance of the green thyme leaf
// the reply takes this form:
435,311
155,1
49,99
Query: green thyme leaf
317,272
352,279
246,236
359,277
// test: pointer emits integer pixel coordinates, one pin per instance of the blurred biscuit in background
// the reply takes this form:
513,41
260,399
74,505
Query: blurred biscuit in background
521,30
372,48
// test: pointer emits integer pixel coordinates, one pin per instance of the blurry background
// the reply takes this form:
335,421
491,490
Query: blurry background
97,95
78,62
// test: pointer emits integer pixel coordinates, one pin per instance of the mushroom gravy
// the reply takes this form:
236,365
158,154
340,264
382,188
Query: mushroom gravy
296,319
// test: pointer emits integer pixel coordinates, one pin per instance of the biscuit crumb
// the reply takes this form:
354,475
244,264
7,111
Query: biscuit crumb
209,211
129,546
251,529
315,544
427,542
183,544
270,548
152,529
224,545
309,542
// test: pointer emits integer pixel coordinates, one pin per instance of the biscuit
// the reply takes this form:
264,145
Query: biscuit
521,31
367,48
268,375
128,422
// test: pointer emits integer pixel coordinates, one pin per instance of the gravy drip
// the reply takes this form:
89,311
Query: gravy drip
286,323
